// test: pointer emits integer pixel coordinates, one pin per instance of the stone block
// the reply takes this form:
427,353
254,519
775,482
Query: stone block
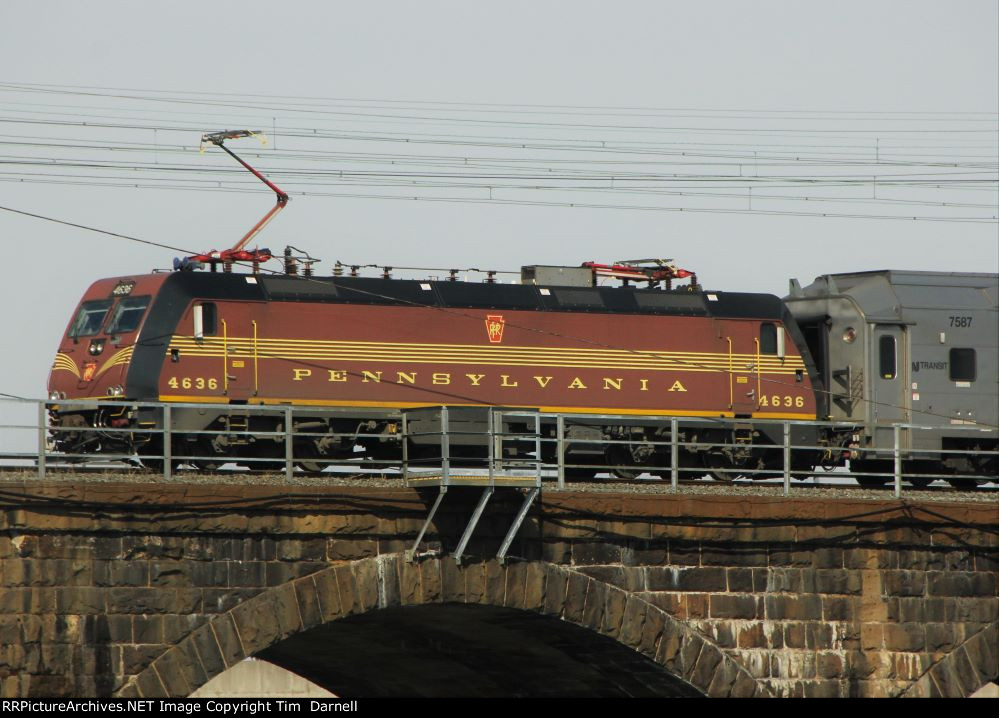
250,574
452,581
534,587
707,579
645,553
138,657
697,605
595,554
871,558
703,672
366,580
147,628
594,605
633,621
558,552
793,607
872,637
614,609
516,584
556,588
905,583
475,582
682,553
494,575
733,555
148,685
191,666
735,606
80,600
795,635
256,624
169,667
346,584
177,628
789,556
388,577
837,581
740,580
207,648
575,597
351,550
838,608
409,582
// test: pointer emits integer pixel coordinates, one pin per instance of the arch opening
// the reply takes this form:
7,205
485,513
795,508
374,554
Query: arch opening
447,650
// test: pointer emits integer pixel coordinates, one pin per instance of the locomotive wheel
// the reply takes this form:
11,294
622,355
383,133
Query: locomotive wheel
713,461
311,466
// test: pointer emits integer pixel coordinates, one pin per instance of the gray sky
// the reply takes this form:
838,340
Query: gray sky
530,132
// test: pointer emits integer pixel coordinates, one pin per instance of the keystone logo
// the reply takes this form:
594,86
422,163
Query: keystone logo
494,327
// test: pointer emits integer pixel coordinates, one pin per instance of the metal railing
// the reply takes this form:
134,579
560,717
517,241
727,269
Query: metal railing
502,447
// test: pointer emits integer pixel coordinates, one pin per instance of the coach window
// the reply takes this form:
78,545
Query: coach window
768,338
962,365
887,363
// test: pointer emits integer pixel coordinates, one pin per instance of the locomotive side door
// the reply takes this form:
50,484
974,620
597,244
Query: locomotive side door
889,372
238,331
742,371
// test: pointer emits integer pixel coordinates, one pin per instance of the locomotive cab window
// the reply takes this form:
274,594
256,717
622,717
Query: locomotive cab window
962,365
90,318
887,364
205,319
768,338
126,316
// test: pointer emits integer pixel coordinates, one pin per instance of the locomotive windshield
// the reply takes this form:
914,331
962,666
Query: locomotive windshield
127,315
90,318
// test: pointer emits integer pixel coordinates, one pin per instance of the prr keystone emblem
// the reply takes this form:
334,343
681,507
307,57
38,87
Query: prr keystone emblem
494,327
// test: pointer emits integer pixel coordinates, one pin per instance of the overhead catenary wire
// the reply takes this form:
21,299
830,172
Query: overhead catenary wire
457,312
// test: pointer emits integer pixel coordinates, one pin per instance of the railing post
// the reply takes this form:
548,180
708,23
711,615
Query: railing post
491,439
787,457
167,443
445,448
897,456
405,447
674,456
560,449
537,447
289,454
42,439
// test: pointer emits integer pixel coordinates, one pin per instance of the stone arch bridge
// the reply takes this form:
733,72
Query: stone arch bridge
152,589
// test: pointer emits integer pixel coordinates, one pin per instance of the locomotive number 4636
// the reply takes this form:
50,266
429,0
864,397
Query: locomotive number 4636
198,382
778,400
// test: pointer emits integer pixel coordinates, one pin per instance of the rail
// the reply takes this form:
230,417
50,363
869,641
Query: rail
495,447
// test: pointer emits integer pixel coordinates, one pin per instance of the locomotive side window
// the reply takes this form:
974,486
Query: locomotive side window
962,365
768,338
127,315
205,319
888,367
90,318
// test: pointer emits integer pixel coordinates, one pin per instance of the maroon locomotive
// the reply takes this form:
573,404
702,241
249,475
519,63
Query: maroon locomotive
386,344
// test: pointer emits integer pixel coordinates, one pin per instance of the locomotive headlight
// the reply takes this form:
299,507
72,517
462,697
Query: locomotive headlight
117,390
54,396
849,335
96,347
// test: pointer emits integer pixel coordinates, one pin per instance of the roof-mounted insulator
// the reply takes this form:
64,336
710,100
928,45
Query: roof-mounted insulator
652,271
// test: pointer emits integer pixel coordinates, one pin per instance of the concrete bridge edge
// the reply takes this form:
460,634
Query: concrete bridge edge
389,581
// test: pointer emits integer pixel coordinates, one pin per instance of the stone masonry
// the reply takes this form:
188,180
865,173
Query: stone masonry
154,589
